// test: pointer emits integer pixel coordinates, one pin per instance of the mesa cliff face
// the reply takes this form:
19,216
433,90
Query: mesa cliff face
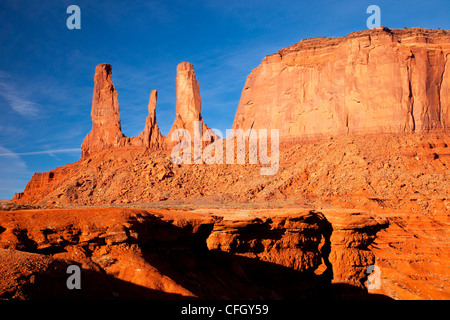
371,81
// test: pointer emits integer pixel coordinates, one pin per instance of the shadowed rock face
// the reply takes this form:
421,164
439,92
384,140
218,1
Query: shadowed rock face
371,81
161,254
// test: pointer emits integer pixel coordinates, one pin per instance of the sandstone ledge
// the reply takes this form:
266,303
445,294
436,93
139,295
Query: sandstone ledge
138,247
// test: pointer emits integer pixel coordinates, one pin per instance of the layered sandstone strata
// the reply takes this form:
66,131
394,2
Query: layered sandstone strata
377,80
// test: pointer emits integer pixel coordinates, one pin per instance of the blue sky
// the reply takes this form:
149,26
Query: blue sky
46,70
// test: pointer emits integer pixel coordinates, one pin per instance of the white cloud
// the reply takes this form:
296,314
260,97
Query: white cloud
4,74
16,100
14,174
49,152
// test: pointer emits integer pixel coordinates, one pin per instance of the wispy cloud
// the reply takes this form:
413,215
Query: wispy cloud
16,101
49,152
4,74
9,130
14,174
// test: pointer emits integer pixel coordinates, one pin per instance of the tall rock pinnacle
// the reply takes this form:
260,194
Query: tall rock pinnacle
151,136
106,131
189,101
188,106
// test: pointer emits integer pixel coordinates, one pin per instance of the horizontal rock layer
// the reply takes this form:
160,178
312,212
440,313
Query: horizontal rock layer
164,254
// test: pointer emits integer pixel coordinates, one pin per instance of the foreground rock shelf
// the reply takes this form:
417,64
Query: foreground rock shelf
159,254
